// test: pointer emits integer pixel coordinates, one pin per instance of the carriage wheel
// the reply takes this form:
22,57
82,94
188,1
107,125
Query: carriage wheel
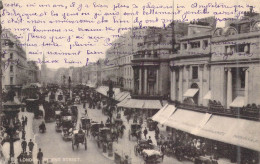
85,143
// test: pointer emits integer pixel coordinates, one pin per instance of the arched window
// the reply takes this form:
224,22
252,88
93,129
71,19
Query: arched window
256,26
218,32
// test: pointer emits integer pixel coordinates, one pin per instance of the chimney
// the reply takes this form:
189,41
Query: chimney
251,9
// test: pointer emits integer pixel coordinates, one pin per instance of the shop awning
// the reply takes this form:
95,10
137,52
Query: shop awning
121,96
238,102
134,103
191,92
102,89
164,113
186,120
142,104
124,96
152,104
116,91
121,104
207,96
240,132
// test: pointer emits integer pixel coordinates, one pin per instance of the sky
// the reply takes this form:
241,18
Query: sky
74,32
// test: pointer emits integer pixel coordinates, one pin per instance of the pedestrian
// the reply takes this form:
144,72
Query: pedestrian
40,156
25,120
23,134
30,145
84,104
145,132
24,145
150,140
23,123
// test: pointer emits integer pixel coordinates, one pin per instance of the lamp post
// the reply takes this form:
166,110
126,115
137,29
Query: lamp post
110,93
69,81
11,109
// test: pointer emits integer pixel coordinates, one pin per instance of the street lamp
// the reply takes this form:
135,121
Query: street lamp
69,81
11,109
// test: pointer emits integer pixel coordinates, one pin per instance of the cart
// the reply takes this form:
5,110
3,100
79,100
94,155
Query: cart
151,124
135,131
142,145
58,121
85,123
79,137
67,127
152,156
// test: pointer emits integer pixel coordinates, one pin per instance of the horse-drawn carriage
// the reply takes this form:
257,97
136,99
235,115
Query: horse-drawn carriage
67,127
151,124
58,121
118,123
86,124
152,156
74,111
79,137
142,145
94,129
104,136
135,131
32,105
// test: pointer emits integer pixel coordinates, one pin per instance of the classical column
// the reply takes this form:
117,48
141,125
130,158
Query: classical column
188,76
157,81
229,87
145,80
180,83
173,85
246,86
140,80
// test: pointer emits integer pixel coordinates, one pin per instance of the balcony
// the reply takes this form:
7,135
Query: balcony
249,112
146,56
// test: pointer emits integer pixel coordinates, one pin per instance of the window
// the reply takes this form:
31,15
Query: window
155,53
11,80
205,44
11,68
195,72
195,44
185,46
243,48
11,55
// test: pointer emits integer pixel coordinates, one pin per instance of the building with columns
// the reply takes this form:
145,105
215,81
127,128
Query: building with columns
235,62
215,88
190,70
150,63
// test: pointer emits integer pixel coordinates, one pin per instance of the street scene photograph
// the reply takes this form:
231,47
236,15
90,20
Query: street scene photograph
130,82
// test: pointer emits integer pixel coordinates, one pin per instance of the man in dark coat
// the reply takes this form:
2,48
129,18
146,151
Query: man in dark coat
40,156
31,145
24,145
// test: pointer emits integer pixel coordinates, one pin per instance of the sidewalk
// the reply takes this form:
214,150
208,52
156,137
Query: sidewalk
29,135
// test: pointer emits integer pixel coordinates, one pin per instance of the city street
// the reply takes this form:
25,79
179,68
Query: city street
60,151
